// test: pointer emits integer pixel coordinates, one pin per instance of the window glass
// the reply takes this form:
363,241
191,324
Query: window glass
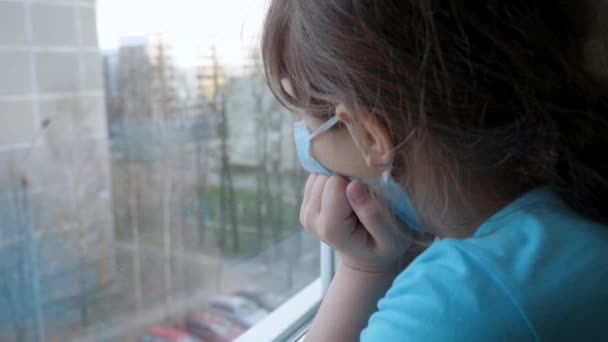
145,171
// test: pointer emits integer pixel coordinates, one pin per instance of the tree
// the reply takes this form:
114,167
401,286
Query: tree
215,77
268,121
261,150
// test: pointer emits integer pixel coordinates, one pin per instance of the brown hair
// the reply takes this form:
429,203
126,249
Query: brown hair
498,90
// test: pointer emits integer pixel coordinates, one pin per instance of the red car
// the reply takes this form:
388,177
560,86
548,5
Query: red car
159,333
211,326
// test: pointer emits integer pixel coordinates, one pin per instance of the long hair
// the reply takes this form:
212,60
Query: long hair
500,89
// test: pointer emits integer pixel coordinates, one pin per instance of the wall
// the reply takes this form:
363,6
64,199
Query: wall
54,170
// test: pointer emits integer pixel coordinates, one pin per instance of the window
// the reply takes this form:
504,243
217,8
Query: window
146,172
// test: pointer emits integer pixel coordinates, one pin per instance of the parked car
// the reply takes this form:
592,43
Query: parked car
159,333
266,300
212,326
238,309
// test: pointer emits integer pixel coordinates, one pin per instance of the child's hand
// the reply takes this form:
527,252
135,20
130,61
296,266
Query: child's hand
348,218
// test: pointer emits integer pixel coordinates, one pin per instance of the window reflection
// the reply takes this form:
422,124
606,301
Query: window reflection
141,198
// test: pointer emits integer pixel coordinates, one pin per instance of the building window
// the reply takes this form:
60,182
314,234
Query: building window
149,186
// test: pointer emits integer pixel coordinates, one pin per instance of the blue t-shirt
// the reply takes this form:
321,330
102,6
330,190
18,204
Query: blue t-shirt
534,271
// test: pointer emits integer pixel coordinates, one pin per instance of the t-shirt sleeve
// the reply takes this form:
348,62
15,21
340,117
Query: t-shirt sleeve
446,295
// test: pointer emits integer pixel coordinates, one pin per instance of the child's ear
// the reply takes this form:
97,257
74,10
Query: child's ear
371,135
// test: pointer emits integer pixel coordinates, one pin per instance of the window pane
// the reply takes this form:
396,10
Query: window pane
145,173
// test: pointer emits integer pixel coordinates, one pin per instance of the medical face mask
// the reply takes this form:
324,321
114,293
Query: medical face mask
397,200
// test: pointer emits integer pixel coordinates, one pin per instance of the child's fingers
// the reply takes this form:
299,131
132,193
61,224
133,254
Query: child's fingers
307,190
371,212
335,213
315,200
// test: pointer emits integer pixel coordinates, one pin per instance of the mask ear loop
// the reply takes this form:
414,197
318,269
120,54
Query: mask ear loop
386,174
354,137
323,128
326,126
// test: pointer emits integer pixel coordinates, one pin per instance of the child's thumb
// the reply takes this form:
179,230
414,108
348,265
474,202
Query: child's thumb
370,212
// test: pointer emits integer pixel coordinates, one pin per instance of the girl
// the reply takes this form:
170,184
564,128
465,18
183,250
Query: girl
482,123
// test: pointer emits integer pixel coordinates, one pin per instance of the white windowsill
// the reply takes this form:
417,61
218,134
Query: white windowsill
289,320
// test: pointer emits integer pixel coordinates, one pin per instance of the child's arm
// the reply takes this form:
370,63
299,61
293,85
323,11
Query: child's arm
348,304
371,251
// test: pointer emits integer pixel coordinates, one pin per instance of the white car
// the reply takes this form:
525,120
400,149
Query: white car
266,300
238,309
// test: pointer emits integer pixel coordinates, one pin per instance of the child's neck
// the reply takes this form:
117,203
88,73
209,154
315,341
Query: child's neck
467,212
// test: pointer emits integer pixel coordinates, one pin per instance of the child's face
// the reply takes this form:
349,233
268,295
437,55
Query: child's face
337,151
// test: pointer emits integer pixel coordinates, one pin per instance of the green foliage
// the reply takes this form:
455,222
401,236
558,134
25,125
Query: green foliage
284,221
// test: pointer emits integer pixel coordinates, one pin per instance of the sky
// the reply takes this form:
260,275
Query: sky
189,25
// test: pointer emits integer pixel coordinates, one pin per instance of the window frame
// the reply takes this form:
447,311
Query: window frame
290,321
